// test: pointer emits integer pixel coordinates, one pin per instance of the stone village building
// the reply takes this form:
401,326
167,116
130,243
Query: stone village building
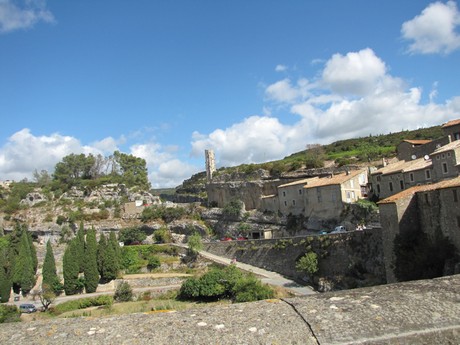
428,208
320,198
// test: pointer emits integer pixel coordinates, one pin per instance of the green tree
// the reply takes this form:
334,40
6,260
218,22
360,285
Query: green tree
314,156
113,241
123,293
132,169
73,168
5,283
101,249
50,277
132,235
153,262
70,269
80,247
90,270
23,273
308,263
194,243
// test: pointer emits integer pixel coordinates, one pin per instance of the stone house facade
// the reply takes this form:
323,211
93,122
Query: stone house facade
446,161
428,208
291,197
399,176
326,197
452,128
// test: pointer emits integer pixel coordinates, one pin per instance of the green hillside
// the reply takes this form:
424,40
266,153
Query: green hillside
342,152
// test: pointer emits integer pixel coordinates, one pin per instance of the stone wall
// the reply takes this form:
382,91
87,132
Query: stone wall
345,260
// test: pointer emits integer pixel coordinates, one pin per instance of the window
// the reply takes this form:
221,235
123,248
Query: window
284,193
437,157
352,184
457,136
285,203
443,155
427,199
454,192
318,195
300,191
428,174
391,186
411,176
401,184
444,168
293,202
378,188
378,178
448,154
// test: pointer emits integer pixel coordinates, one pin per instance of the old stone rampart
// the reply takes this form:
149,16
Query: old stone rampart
345,260
418,312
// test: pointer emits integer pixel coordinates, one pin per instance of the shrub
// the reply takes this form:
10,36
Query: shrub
162,235
308,263
123,293
154,262
82,303
194,243
225,283
233,209
131,235
251,289
9,313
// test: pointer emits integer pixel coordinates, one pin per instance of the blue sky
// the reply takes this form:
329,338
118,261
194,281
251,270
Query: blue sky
252,80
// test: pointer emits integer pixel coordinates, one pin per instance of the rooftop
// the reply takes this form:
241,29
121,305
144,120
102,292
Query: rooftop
404,166
333,180
451,123
455,182
417,142
450,146
294,183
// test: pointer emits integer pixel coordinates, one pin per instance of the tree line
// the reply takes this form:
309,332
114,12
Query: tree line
86,263
18,263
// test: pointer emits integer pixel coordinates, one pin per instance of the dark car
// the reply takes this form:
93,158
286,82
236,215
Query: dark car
27,308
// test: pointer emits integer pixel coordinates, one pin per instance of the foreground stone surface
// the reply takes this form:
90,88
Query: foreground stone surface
421,312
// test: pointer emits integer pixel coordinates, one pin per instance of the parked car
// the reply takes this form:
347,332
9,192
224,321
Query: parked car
226,239
339,229
27,308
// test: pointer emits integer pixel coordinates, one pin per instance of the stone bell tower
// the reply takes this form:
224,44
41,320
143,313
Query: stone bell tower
210,164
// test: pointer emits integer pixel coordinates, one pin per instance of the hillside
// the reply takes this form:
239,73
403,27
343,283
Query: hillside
343,152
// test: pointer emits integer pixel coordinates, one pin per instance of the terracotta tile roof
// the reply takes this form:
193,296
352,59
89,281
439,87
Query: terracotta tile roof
403,166
450,146
303,181
451,123
417,142
335,179
455,182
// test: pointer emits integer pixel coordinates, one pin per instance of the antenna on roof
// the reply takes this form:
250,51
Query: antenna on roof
426,157
413,156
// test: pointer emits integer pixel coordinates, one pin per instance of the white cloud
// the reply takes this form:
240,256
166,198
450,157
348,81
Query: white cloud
280,68
434,30
24,16
25,152
354,73
354,96
284,91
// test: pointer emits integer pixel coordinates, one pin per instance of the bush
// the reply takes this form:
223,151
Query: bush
9,313
225,283
82,303
162,235
194,243
233,209
123,293
154,262
308,263
131,235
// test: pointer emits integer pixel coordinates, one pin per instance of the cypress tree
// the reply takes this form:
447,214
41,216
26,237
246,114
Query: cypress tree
113,241
23,273
33,251
50,277
80,248
5,283
91,272
110,269
101,248
70,269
